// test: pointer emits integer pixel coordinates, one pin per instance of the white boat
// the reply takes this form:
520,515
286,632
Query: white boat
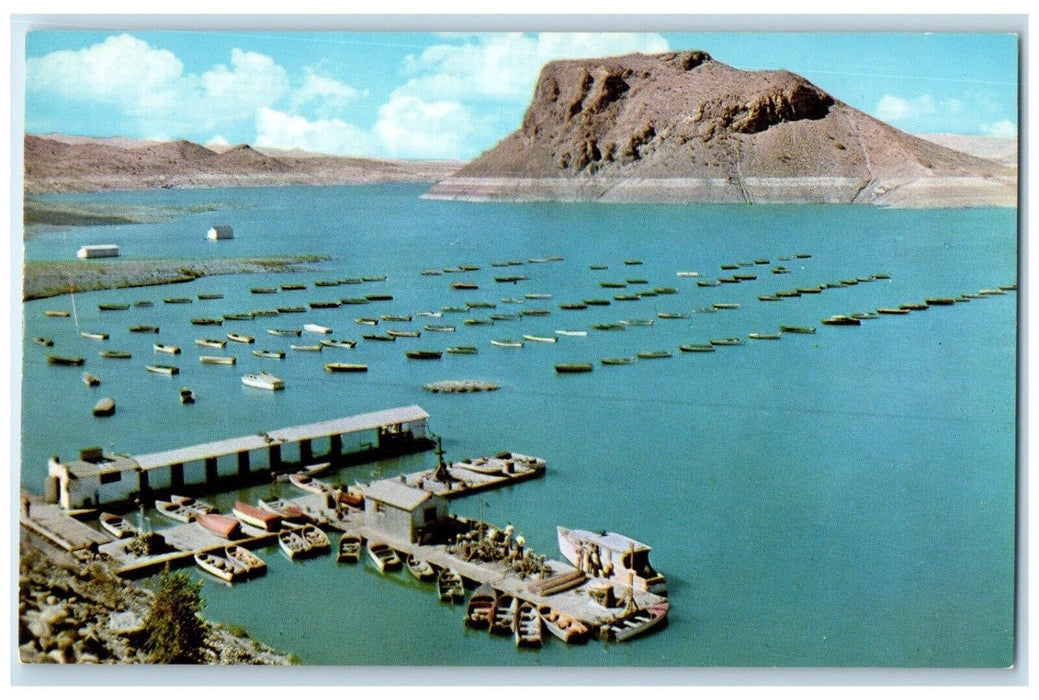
246,560
540,338
240,338
689,273
307,348
572,334
217,359
317,540
565,628
315,328
218,566
309,484
383,556
169,349
611,556
295,332
163,369
263,380
117,526
507,343
91,380
293,544
420,568
526,626
210,342
635,623
450,588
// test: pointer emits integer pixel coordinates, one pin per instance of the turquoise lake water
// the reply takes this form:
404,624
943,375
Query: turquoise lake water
838,499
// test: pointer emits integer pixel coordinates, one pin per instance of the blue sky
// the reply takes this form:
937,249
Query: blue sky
454,95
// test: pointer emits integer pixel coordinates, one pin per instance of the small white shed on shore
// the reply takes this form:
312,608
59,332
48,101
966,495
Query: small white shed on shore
220,233
105,250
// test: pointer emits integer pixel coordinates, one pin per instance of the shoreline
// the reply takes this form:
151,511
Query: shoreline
46,279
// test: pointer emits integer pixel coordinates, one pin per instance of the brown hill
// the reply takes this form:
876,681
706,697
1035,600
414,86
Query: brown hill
684,127
76,164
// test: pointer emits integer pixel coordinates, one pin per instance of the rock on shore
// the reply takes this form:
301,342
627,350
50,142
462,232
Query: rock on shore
682,127
80,613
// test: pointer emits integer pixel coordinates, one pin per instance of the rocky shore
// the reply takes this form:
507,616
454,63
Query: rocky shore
75,612
49,279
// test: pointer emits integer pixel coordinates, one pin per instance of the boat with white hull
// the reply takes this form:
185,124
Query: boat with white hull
612,556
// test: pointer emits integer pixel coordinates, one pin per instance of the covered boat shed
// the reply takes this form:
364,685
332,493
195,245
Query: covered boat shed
100,479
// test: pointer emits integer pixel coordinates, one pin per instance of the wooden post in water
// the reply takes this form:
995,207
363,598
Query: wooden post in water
275,457
306,451
243,464
211,470
177,477
335,445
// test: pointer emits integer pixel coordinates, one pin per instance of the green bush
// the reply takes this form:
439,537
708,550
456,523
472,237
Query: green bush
175,633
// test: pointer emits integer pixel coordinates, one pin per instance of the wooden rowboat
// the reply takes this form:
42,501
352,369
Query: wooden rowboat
450,588
526,626
256,516
481,602
117,525
220,525
565,628
350,548
503,613
293,544
245,560
383,556
634,623
316,539
219,566
420,569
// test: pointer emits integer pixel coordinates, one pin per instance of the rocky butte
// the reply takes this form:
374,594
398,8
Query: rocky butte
682,127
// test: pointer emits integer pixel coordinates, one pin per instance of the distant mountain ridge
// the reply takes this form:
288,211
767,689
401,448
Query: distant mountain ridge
681,126
56,163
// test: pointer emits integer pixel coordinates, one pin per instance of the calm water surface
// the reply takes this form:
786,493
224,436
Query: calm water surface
838,499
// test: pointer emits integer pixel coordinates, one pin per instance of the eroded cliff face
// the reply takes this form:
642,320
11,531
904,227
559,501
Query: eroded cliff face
683,127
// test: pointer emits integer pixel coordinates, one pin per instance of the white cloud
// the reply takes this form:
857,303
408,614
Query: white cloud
1004,128
217,140
276,129
410,127
149,85
893,108
121,69
325,96
506,65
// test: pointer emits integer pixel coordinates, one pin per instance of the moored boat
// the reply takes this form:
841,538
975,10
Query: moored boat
419,568
347,344
617,360
461,350
797,329
246,560
727,341
345,367
764,336
506,343
163,369
540,338
383,556
220,525
168,349
526,626
296,332
113,307
187,396
307,483
56,313
256,516
91,380
116,525
263,380
696,347
217,359
349,548
634,623
219,566
293,544
449,587
503,613
210,343
612,556
481,602
104,407
45,342
287,510
94,335
273,354
240,338
573,367
423,354
317,540
315,328
652,354
65,360
565,628
115,354
841,320
316,347
207,321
